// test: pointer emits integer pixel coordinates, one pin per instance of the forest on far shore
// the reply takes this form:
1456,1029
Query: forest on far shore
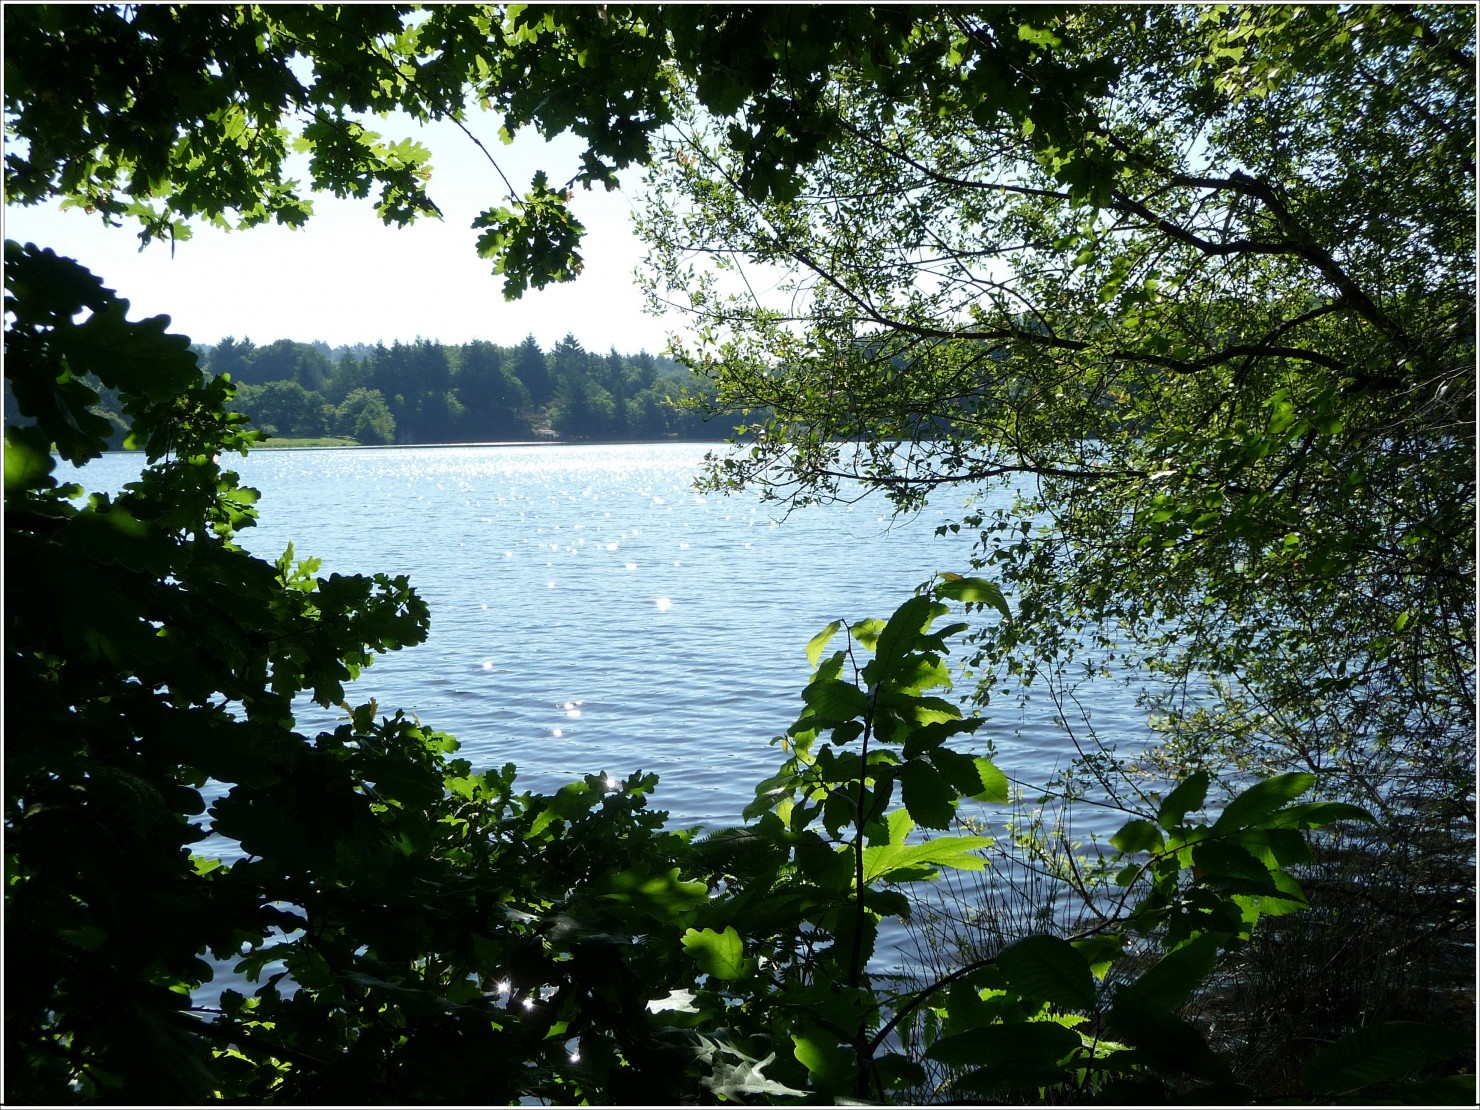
431,392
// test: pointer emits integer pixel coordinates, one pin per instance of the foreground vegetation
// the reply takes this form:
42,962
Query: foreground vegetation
1233,344
425,932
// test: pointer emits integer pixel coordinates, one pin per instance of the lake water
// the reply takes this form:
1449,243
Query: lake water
592,612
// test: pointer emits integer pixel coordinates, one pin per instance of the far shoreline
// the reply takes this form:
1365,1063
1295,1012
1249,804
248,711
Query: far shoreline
297,445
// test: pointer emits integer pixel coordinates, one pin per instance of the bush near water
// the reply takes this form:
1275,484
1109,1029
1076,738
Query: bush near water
1236,349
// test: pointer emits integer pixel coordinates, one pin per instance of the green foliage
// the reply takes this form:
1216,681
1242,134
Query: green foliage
161,807
533,243
1244,387
283,408
1385,1052
53,350
364,415
1214,400
829,857
420,931
168,677
178,113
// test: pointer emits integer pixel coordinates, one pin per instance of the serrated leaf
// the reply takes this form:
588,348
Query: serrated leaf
835,700
994,783
882,861
960,770
899,637
928,796
1229,867
1138,836
1188,795
770,792
922,672
1387,1050
1171,981
1100,952
866,632
1048,969
1262,799
1042,1042
1314,815
925,740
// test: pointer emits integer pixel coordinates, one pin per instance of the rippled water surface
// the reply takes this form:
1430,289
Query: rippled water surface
592,612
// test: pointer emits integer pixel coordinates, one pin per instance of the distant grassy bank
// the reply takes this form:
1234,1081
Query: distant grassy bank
306,441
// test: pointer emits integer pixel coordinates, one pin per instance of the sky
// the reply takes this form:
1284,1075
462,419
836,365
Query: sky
345,278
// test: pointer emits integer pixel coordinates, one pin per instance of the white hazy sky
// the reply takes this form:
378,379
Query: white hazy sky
346,278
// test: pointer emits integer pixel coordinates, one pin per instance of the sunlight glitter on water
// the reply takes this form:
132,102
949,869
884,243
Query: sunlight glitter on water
695,666
693,689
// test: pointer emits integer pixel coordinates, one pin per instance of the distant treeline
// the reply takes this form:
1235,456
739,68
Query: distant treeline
428,392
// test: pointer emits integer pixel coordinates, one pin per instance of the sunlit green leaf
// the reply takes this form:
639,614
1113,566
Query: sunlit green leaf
721,955
1137,836
1262,799
977,590
961,852
829,1064
1187,796
818,643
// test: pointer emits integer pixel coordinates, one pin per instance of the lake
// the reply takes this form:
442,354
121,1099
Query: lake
592,613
